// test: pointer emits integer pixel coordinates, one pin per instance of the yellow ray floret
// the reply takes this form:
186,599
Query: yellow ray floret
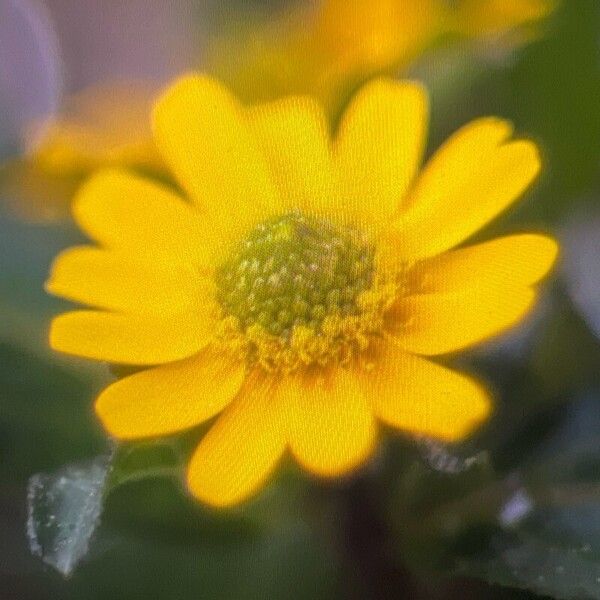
298,287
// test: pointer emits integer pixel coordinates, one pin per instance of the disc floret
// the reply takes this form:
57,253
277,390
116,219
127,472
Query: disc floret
295,292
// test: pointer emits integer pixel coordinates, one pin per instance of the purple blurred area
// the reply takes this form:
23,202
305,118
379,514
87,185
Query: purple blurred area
30,69
134,39
51,49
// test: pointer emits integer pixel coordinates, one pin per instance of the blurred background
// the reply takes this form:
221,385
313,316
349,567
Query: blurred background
513,513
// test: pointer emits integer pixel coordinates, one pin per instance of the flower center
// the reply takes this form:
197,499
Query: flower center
294,271
295,292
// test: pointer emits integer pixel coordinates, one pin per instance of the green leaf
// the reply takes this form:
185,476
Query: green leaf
549,554
538,528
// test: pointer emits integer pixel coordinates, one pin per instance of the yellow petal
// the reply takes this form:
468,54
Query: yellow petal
421,397
114,281
331,426
239,452
143,218
475,176
517,260
379,148
440,323
293,136
171,397
202,133
130,339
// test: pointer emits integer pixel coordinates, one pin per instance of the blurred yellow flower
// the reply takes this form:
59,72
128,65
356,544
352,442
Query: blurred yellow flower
102,126
300,286
327,49
106,126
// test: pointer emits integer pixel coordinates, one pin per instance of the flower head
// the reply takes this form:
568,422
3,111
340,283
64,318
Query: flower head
300,285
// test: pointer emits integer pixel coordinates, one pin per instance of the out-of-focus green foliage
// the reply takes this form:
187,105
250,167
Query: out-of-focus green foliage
536,526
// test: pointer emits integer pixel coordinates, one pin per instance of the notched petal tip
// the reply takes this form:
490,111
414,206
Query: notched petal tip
529,153
387,85
383,90
301,104
224,497
56,334
345,467
88,195
61,262
496,129
192,84
216,501
480,409
104,416
547,254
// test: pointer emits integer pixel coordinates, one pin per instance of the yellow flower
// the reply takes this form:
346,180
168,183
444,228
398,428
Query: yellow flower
102,126
327,49
300,287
